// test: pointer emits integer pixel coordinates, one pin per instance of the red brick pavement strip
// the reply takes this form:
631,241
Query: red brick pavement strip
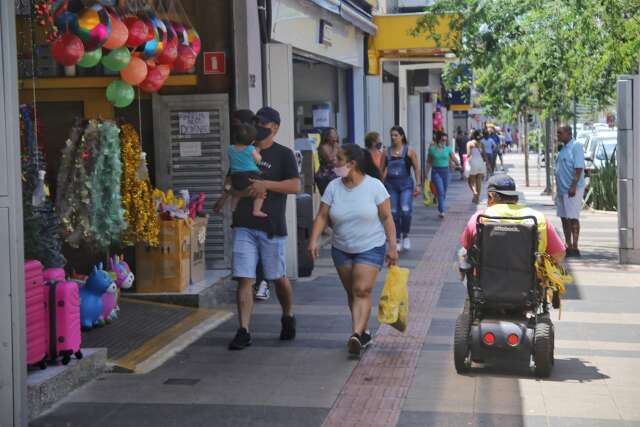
375,392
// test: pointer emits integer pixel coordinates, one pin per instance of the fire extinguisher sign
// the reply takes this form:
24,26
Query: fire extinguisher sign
214,63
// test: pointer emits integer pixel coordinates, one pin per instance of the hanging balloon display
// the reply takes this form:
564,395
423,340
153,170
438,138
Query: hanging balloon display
156,39
194,40
90,59
64,18
119,33
170,51
94,26
186,59
67,49
135,72
138,31
120,93
181,33
155,78
117,59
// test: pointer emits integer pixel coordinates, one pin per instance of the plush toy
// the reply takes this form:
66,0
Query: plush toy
98,283
123,277
196,206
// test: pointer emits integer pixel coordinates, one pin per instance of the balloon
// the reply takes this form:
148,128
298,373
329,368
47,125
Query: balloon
156,39
194,40
117,59
94,26
138,31
64,17
181,31
186,59
155,79
67,49
119,93
135,72
119,34
169,53
90,59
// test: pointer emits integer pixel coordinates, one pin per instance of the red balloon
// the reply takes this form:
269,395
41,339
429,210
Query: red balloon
155,79
169,53
186,59
67,49
138,31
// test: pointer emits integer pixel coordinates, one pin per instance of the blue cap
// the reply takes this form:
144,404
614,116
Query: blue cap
502,184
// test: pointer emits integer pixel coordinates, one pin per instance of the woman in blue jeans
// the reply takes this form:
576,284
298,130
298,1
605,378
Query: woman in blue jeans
400,185
439,159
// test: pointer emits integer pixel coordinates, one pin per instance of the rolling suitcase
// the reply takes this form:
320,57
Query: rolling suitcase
64,317
36,314
304,212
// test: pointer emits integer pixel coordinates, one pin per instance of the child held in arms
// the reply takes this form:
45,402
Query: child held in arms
244,159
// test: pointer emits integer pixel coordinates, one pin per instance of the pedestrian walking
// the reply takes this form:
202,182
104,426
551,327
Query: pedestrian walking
327,152
477,161
439,160
400,161
373,143
264,239
358,206
570,187
461,149
489,150
508,139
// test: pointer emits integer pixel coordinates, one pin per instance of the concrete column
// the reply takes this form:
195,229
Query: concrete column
375,117
247,55
359,105
279,82
13,365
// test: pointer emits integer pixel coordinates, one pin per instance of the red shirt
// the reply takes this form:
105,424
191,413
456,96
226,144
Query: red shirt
555,245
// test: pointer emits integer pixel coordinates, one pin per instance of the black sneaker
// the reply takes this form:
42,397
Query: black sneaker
288,331
241,340
365,339
355,344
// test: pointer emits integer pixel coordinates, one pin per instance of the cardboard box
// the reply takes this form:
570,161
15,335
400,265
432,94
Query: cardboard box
198,239
167,267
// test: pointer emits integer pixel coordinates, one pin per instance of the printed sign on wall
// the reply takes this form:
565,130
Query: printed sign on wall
194,123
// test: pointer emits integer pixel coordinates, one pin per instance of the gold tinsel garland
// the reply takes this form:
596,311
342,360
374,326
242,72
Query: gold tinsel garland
140,212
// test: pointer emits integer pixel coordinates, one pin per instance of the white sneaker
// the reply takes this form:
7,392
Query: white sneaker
399,245
406,244
263,292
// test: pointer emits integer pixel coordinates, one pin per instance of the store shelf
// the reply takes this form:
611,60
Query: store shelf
95,82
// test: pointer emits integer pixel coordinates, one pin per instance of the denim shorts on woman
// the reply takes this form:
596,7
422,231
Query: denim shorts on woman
374,257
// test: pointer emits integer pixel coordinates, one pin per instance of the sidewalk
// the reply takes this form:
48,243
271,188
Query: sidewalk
404,379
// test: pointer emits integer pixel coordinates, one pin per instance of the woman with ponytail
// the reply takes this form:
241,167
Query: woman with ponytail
364,235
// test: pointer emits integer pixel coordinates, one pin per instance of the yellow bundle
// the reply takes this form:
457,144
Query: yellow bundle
393,307
552,276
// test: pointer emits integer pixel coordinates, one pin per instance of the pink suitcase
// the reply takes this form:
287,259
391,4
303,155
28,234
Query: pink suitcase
36,314
64,319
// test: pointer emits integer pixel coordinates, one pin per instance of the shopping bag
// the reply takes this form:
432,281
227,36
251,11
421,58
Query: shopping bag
393,307
428,195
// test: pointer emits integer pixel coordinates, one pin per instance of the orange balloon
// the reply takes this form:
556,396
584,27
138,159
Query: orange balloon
119,34
136,71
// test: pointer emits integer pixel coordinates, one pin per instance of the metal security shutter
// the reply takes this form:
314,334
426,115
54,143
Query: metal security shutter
195,158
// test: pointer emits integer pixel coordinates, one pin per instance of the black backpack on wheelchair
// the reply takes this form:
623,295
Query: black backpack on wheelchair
506,316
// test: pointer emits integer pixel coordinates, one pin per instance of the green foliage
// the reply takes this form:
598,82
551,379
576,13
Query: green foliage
538,54
602,193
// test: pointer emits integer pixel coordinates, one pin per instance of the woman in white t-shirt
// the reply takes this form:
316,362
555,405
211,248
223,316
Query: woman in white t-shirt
357,206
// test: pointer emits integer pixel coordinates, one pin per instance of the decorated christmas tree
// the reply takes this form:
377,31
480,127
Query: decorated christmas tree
42,230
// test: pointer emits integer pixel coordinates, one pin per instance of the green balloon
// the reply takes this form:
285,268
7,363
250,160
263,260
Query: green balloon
117,59
120,93
90,59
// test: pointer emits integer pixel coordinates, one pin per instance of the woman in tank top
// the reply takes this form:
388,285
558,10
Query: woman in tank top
477,160
374,146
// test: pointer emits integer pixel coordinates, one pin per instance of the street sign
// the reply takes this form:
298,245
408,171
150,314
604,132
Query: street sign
214,62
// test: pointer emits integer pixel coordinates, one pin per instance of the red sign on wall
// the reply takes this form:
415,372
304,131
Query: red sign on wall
214,63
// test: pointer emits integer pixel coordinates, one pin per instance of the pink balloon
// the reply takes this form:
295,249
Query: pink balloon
67,49
119,34
186,59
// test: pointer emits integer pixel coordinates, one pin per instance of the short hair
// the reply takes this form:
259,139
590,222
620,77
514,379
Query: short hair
567,128
504,198
370,139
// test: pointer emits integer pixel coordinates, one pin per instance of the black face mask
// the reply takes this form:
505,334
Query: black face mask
267,132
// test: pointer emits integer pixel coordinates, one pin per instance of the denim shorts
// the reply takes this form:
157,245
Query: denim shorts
374,257
251,246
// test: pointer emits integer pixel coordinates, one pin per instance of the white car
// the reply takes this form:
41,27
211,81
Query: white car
601,147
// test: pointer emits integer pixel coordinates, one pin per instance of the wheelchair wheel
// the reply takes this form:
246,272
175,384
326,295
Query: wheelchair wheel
543,348
461,348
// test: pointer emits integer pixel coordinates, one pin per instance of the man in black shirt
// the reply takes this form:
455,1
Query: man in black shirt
264,239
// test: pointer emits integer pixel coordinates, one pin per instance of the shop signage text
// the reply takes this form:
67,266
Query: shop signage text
326,33
190,149
214,62
194,123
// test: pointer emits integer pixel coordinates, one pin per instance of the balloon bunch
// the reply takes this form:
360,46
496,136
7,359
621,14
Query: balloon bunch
143,45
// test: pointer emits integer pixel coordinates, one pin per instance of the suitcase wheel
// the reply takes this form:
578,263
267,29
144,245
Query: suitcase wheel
78,355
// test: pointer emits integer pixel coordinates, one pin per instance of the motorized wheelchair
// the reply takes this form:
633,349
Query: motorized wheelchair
506,316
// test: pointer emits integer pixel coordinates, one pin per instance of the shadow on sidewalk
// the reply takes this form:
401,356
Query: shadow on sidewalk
570,369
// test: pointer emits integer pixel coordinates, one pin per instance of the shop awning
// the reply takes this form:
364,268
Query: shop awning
353,11
394,41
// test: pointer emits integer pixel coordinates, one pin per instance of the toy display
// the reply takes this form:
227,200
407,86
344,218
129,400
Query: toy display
91,307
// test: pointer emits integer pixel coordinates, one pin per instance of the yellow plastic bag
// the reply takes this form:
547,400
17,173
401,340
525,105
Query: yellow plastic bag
393,307
426,191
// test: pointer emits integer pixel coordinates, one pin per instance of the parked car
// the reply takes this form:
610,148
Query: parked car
603,148
590,145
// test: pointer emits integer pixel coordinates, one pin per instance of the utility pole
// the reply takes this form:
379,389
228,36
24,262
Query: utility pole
575,116
525,146
547,156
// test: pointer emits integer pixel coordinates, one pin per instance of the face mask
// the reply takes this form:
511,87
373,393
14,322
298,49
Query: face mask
264,128
342,171
379,145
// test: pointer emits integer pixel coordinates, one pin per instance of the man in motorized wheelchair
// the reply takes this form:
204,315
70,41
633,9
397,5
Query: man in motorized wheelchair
507,313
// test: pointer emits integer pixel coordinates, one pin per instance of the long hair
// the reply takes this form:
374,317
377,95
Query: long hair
401,132
370,139
363,159
325,135
476,135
